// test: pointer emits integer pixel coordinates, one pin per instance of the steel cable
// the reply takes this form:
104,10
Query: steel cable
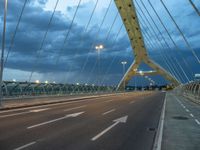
194,6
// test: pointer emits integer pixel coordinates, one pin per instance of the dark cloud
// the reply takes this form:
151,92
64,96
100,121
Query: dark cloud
79,46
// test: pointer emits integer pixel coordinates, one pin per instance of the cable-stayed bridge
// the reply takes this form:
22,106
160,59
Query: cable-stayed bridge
125,71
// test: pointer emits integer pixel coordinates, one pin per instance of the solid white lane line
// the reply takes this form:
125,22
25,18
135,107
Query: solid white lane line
159,134
191,115
75,108
55,120
132,102
108,112
197,121
39,110
16,114
25,146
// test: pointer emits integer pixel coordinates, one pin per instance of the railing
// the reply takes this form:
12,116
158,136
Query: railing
190,90
26,89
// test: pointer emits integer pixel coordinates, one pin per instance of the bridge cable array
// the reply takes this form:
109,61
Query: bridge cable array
82,35
181,33
68,33
38,52
174,59
152,33
174,43
106,38
94,41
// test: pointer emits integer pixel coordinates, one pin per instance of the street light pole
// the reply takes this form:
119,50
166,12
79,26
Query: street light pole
98,48
123,64
2,51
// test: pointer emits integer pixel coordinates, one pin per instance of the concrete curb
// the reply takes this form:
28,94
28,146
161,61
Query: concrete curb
159,134
58,101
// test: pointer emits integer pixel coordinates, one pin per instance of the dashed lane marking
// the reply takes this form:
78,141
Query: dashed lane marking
108,112
25,146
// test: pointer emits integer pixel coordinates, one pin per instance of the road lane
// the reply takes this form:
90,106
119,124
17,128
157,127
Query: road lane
68,134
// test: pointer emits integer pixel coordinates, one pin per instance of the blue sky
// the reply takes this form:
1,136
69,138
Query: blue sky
79,46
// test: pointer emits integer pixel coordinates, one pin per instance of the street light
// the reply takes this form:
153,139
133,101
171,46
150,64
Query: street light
141,72
98,48
123,64
37,81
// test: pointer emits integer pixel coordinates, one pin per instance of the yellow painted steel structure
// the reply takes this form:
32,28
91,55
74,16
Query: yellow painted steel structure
128,14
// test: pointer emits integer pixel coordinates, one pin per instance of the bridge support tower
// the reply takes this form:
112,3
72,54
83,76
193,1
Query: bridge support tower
129,17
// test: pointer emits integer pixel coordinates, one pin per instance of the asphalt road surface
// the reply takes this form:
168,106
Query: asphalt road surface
121,122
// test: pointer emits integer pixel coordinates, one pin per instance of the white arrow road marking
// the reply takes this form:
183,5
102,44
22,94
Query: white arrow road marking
54,120
117,121
108,112
39,110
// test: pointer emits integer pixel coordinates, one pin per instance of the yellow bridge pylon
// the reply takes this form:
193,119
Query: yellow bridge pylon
128,14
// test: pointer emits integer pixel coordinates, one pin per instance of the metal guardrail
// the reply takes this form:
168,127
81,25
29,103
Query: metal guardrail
190,90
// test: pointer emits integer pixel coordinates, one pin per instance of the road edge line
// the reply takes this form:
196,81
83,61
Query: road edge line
159,135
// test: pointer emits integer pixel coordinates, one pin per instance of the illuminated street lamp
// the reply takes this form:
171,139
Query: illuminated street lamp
135,69
37,81
99,48
141,72
14,80
124,64
46,82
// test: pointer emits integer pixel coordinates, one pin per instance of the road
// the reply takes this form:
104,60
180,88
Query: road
121,122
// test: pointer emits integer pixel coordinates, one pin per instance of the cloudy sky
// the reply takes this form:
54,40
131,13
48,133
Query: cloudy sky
63,49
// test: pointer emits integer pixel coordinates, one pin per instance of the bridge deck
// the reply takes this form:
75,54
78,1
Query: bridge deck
47,126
